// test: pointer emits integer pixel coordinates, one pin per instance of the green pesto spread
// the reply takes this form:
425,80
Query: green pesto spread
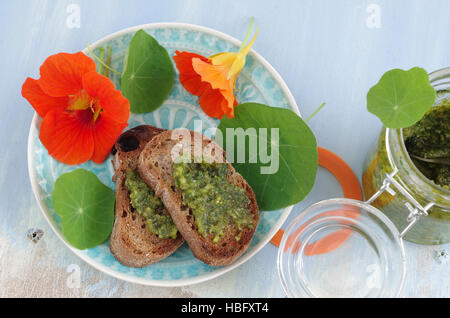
430,139
214,201
145,202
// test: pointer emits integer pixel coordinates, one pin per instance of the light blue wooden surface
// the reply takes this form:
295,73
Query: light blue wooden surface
326,51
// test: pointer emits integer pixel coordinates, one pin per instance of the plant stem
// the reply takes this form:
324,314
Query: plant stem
102,56
100,61
108,61
315,113
247,36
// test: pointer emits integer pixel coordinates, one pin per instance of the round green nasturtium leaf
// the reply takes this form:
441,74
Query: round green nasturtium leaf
401,98
148,74
86,207
289,175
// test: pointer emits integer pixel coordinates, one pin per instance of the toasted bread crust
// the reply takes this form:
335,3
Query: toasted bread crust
131,242
155,166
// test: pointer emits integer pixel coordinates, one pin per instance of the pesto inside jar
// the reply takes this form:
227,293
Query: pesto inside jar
147,204
430,139
214,201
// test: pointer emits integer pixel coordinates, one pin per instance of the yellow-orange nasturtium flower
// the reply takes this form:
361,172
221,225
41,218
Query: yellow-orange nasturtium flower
213,79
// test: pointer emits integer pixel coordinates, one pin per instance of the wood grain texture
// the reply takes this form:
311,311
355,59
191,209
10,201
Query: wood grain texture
325,52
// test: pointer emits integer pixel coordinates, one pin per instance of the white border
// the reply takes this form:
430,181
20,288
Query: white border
192,280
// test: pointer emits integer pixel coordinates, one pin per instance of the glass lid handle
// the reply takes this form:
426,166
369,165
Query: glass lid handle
416,210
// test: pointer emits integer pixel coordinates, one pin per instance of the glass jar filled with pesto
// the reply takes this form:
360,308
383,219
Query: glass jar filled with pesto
420,157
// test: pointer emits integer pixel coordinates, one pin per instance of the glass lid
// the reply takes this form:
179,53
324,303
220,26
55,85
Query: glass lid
341,248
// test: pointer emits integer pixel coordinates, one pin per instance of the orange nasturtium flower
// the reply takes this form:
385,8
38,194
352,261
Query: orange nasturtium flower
82,112
213,79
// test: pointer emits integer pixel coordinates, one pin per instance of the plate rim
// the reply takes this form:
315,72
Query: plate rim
174,282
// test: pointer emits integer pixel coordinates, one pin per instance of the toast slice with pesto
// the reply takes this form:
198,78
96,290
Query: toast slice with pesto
143,231
211,204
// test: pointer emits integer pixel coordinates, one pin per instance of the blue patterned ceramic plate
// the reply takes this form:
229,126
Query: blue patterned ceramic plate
258,82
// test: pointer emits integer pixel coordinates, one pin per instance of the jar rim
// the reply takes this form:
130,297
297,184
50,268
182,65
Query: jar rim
439,74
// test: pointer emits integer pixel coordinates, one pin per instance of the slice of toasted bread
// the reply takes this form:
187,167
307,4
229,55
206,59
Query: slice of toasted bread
156,167
131,242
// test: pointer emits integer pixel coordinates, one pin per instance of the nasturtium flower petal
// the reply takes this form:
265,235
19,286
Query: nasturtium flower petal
61,74
67,137
215,75
41,102
111,100
105,135
211,102
190,79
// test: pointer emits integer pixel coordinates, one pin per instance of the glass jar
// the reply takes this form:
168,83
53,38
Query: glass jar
341,248
388,154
